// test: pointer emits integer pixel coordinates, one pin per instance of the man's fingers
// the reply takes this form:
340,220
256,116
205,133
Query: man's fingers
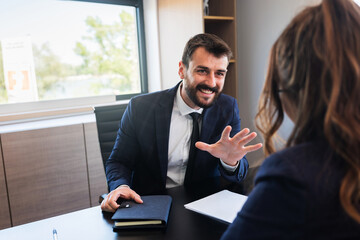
107,204
252,148
226,132
203,146
240,135
109,207
111,202
104,207
245,140
128,193
136,197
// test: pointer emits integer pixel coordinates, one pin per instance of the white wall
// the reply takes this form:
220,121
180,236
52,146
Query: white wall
259,23
179,20
152,44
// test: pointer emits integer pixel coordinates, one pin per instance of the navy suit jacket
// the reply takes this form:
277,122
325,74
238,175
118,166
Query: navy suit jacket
296,196
140,154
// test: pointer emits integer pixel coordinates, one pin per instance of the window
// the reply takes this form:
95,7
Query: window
57,49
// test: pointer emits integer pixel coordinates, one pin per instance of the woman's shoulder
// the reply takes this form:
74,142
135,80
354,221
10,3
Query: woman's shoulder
294,162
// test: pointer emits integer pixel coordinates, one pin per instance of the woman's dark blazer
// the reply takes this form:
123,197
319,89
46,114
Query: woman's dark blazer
296,196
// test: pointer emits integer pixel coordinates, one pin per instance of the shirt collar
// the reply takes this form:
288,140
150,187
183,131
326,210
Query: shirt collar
182,106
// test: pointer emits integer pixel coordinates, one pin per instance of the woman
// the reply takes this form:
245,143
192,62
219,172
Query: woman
311,189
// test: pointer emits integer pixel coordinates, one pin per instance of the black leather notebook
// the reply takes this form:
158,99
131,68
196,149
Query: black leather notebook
152,213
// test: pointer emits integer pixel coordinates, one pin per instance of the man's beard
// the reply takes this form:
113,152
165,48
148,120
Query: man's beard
191,92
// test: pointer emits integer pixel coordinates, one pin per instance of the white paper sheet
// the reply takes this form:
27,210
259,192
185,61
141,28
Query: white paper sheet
223,205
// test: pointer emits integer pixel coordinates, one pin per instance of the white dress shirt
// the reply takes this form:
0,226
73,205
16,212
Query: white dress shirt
179,141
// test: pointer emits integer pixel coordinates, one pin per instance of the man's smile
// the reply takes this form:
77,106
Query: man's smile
207,90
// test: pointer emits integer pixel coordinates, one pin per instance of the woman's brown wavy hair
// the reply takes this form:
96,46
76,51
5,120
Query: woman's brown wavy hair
315,63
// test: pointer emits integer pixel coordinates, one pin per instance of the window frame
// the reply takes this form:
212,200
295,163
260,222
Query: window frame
138,4
139,10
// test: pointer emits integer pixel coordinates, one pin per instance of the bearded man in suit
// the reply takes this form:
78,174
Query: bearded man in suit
153,146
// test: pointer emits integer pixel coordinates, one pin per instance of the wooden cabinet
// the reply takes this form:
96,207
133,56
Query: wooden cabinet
5,221
49,171
46,172
221,21
97,179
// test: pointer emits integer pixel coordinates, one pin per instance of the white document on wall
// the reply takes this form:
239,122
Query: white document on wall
223,205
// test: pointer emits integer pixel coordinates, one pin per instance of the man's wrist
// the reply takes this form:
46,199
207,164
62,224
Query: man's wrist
228,167
123,185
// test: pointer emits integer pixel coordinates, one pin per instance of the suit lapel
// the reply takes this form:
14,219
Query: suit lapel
162,119
210,117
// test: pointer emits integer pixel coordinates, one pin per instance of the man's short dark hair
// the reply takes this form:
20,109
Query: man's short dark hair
212,43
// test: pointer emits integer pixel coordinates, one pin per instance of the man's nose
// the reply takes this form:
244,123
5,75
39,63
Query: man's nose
211,80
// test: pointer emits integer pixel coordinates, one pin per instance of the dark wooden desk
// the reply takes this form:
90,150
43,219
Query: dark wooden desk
92,223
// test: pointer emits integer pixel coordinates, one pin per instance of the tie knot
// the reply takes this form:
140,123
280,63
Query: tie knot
195,116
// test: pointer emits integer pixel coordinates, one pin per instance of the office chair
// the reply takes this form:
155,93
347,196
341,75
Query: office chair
108,120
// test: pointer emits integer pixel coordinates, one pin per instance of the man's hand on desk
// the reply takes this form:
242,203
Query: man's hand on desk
231,150
109,204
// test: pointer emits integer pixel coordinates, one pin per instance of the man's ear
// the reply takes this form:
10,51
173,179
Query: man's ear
182,70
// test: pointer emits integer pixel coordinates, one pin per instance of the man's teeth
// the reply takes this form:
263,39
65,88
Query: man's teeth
207,91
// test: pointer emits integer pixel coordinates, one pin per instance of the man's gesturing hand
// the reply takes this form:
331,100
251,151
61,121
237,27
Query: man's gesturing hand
231,150
109,204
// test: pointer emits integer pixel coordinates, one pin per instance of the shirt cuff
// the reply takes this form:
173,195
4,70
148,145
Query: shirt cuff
228,167
123,185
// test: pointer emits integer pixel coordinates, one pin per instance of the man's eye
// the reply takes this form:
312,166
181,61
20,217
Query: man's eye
221,74
201,71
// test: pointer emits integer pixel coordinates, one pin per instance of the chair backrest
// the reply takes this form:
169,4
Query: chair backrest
108,120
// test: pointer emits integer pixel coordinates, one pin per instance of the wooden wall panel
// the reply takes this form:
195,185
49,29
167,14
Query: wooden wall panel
97,179
46,172
5,221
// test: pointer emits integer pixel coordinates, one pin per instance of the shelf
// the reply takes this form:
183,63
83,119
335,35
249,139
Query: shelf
223,18
222,7
221,21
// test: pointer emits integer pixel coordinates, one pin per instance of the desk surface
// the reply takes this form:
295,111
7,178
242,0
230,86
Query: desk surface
92,223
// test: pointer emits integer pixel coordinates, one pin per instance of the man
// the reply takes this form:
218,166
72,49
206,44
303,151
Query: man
152,147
